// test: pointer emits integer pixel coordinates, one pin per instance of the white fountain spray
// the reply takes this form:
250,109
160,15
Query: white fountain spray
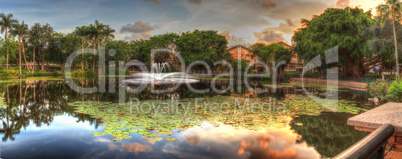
157,75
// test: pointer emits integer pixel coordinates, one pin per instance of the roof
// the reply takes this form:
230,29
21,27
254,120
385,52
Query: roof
238,46
281,42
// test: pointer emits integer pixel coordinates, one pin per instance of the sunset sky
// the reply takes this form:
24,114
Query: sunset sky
241,21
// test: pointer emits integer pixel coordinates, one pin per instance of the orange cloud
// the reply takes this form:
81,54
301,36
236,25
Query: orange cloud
134,147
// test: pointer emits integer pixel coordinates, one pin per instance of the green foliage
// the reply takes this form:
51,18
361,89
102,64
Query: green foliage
207,46
335,27
292,74
243,65
378,89
395,91
85,73
144,47
276,52
9,74
57,73
378,76
124,50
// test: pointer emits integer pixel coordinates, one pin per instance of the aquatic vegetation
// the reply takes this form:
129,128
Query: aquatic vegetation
304,105
155,119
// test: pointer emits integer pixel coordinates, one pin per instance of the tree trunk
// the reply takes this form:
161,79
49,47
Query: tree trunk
93,60
6,49
33,60
396,51
82,54
19,52
25,58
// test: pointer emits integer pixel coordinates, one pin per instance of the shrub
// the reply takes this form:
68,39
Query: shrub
292,74
57,73
395,91
378,89
10,73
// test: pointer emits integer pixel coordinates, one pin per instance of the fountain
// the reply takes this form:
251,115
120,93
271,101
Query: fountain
157,76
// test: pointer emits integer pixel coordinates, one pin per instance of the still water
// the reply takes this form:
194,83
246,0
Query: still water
47,119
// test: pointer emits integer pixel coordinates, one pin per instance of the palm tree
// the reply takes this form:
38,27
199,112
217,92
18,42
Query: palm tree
20,30
108,32
96,33
92,35
33,34
99,28
391,10
6,23
82,32
23,40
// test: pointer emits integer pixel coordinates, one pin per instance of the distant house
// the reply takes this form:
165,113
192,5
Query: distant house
242,52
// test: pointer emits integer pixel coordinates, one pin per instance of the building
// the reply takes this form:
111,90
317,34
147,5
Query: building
294,64
242,52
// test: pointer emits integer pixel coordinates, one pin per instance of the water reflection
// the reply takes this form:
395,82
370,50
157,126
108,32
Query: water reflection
38,111
228,142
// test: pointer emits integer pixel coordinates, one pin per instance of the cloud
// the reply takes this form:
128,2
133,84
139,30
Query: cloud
140,30
266,4
298,10
268,36
138,27
193,139
342,3
133,148
225,139
138,36
195,1
158,2
229,37
288,27
233,40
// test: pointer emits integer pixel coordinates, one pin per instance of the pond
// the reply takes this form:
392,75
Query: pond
48,119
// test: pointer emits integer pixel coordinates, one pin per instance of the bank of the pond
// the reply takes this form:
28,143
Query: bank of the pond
319,81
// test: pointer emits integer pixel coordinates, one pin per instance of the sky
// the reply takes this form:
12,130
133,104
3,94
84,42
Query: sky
240,21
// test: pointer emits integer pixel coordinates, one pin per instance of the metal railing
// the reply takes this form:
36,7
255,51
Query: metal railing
372,146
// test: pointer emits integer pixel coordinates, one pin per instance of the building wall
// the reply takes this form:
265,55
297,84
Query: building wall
245,54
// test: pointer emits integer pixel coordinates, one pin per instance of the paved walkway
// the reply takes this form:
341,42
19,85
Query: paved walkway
388,113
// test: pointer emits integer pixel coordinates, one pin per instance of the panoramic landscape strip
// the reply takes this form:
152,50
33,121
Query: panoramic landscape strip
201,79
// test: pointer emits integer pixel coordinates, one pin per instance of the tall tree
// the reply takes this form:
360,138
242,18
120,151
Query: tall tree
392,10
335,27
273,52
20,30
40,36
34,41
207,46
6,23
82,32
